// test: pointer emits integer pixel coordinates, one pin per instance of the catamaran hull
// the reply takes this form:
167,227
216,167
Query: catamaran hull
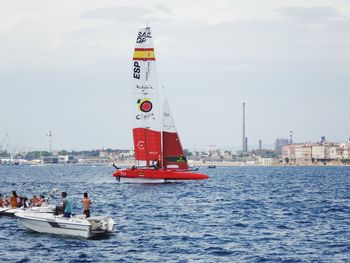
155,176
127,180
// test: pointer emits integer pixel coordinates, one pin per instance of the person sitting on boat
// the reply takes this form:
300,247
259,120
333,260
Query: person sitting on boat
34,201
21,201
86,204
5,201
41,201
156,164
13,200
1,201
66,205
25,202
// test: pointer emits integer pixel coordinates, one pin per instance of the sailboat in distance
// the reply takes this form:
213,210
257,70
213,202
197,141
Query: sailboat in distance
158,152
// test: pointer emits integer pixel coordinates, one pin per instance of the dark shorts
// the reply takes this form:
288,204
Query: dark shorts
86,213
66,214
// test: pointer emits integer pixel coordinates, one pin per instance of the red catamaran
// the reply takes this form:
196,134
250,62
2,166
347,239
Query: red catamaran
158,152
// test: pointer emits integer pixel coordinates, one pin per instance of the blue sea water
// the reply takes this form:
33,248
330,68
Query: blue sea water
249,214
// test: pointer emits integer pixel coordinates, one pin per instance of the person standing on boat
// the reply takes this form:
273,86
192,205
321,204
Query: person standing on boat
86,204
13,200
66,205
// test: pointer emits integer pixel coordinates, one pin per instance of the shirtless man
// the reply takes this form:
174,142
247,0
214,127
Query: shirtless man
86,204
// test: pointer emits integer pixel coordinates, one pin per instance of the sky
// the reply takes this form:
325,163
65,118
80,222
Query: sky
65,66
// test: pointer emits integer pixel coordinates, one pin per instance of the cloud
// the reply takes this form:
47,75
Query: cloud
162,8
310,14
127,14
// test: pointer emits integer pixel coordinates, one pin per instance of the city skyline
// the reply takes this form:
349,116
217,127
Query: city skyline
66,68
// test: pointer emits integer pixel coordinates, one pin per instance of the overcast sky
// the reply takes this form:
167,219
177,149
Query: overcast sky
65,66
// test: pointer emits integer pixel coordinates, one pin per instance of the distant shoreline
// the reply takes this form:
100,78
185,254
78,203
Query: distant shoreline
191,164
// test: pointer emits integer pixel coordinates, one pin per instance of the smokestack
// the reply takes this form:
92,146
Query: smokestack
290,137
244,141
260,144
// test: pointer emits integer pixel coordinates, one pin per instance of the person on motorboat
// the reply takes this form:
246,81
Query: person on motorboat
5,201
34,201
22,201
41,201
1,201
66,205
86,205
14,198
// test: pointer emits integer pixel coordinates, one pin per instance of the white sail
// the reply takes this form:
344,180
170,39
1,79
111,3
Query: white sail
145,82
168,124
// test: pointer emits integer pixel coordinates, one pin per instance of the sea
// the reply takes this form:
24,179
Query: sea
241,214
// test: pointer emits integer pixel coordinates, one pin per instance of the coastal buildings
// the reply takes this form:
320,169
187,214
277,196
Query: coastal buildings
318,153
321,153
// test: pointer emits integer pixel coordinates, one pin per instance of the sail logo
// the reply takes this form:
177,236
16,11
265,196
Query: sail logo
142,37
141,145
145,116
144,87
145,105
137,70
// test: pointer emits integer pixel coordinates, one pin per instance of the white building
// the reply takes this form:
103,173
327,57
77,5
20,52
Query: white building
298,152
307,154
345,146
334,152
264,161
319,151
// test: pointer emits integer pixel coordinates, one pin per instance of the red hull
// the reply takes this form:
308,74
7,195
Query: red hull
159,174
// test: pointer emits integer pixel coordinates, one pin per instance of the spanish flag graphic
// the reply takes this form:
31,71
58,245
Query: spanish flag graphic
144,54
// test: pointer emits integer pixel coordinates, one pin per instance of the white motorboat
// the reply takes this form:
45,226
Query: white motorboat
47,208
73,226
4,209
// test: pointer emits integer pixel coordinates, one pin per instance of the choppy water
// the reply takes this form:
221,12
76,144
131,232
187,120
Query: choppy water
252,214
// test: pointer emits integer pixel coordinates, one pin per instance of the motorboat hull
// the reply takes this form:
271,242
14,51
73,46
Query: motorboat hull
11,211
53,227
3,210
155,175
74,226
